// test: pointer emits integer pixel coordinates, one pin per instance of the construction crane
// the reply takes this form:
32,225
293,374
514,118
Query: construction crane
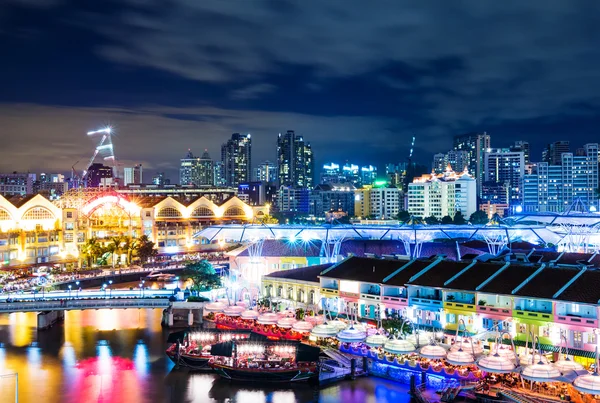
409,164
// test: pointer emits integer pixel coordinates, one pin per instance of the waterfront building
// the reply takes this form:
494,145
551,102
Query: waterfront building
295,161
236,155
38,231
133,175
554,188
296,287
506,168
475,144
442,195
549,295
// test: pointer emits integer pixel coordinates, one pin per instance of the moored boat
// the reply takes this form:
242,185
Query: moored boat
266,361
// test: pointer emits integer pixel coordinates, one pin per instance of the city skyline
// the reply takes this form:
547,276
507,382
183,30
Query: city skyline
536,83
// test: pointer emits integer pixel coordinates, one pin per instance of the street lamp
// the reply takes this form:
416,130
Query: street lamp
141,289
77,284
69,291
110,288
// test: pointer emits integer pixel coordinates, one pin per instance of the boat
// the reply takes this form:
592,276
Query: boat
192,349
266,361
162,277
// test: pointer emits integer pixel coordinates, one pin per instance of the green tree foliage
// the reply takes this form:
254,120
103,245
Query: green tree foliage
459,219
446,220
432,220
203,276
403,216
479,217
144,249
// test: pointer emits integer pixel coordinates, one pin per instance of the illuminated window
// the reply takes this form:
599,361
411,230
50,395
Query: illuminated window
203,212
168,212
234,211
4,216
38,213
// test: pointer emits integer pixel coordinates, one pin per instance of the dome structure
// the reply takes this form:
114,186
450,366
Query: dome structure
324,331
302,326
233,310
215,307
527,359
588,383
567,365
433,351
249,314
286,322
351,335
468,346
541,372
338,324
460,357
496,364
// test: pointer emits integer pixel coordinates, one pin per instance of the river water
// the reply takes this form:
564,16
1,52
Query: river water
114,356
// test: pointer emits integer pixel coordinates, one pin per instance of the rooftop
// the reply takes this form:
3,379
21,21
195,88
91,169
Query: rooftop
364,269
439,274
309,273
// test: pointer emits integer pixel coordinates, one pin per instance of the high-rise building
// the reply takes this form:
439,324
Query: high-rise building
554,151
159,179
385,202
351,173
554,188
506,167
17,184
291,200
331,173
266,172
236,155
187,168
205,171
458,160
219,174
396,173
442,195
295,161
475,144
133,175
522,146
368,175
332,198
98,174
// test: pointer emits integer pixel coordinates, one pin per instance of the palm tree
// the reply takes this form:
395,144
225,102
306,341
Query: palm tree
92,249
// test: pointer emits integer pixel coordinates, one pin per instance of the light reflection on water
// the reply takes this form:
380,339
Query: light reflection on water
118,356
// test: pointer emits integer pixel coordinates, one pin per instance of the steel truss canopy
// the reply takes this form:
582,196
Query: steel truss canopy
414,234
557,219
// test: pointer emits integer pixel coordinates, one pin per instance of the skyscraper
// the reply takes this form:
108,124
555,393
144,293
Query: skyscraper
219,174
554,151
186,169
205,171
236,155
507,168
522,146
475,144
133,175
266,172
98,174
458,160
295,161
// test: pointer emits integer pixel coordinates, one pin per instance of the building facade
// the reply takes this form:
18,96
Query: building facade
236,155
475,144
554,188
266,172
442,195
506,167
295,161
17,184
133,175
332,198
458,160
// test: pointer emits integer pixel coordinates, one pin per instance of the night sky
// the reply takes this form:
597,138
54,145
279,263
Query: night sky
358,79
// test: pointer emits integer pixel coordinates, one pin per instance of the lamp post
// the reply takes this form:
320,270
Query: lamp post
110,288
69,291
77,284
141,289
104,289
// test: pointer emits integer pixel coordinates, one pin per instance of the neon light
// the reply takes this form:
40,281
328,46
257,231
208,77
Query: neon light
130,208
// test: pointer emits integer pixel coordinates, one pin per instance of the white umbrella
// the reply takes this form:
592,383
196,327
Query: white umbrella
433,351
527,359
398,346
286,322
268,318
567,365
233,310
588,383
351,335
468,346
376,340
215,307
324,331
541,372
460,357
338,324
315,320
249,314
302,326
496,364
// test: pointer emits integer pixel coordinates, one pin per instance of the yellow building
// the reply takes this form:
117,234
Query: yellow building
37,231
362,201
297,288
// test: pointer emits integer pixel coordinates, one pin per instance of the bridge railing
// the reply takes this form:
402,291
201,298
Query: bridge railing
40,306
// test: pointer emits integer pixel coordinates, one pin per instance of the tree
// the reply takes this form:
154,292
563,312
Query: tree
91,251
203,276
268,219
144,248
479,217
459,219
446,220
432,220
403,216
